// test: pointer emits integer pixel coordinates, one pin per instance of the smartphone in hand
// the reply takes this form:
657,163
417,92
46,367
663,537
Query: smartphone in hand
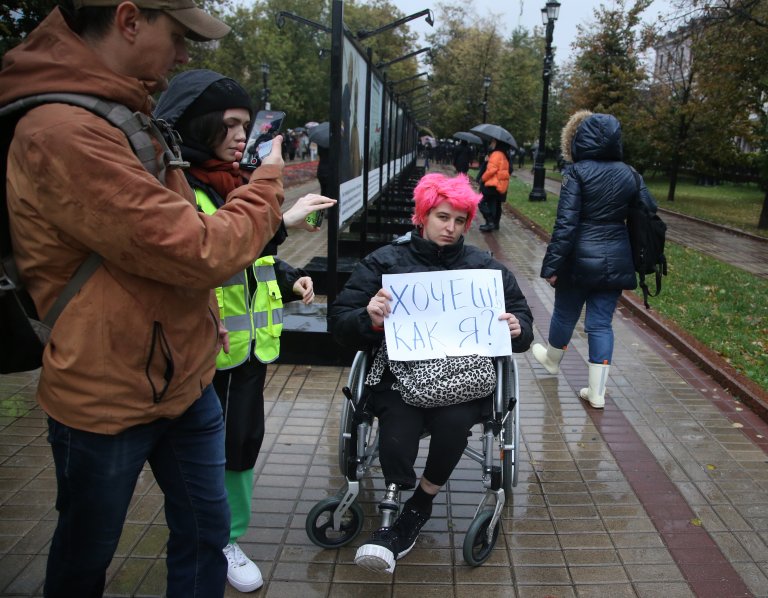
266,125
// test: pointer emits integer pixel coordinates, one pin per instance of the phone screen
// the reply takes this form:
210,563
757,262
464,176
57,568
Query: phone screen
264,149
265,126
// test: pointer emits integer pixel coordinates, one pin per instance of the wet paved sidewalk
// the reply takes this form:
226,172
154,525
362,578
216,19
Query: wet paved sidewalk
662,494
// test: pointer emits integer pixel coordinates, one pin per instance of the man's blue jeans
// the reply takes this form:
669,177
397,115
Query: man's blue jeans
600,307
96,476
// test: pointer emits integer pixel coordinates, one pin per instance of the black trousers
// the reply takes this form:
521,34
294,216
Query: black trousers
400,429
241,392
500,201
491,205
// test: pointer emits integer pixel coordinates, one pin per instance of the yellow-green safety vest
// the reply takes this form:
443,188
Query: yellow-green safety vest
248,317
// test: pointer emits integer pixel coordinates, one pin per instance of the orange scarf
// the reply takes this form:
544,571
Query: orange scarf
220,175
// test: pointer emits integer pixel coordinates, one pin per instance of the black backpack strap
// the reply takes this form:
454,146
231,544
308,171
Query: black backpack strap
79,278
138,127
140,130
636,199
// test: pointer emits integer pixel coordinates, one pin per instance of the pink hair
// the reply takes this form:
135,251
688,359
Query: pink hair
435,188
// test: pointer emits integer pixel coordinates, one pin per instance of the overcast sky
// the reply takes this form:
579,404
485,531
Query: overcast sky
527,13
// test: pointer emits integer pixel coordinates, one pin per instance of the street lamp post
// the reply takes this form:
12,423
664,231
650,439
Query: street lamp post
486,85
549,16
265,90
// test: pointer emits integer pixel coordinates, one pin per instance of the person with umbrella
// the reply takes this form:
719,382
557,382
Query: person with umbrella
461,157
495,182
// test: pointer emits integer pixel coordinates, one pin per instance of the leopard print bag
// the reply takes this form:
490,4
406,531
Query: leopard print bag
437,382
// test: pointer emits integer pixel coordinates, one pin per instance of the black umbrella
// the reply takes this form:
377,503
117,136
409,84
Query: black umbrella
489,131
321,134
468,137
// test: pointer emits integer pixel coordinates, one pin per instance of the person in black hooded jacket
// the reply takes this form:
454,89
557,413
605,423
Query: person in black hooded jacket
212,113
589,259
462,156
444,208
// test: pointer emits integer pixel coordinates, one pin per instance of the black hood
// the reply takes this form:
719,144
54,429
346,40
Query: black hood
183,91
598,137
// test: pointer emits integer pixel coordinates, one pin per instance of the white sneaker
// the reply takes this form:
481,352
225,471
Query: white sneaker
242,572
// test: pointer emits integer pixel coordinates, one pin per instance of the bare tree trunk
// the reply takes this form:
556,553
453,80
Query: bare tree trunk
763,222
675,167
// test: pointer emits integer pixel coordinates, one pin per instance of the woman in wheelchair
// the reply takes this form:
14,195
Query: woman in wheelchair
444,210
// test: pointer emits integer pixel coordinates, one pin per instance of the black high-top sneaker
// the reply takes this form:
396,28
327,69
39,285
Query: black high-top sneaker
406,529
378,554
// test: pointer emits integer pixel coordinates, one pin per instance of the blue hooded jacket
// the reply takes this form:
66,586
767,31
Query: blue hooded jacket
590,243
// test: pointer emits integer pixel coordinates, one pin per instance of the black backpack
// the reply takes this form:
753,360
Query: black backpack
23,333
647,234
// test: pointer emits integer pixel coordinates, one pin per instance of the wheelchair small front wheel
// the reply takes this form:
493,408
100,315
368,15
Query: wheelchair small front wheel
319,524
477,547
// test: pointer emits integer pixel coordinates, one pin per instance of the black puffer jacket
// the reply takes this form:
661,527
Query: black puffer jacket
590,244
348,319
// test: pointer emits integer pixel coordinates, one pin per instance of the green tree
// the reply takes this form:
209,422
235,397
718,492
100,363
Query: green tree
388,45
460,65
523,70
709,87
298,78
675,103
466,49
606,74
741,26
607,69
18,18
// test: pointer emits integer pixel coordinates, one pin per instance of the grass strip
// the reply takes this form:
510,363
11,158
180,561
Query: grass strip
733,204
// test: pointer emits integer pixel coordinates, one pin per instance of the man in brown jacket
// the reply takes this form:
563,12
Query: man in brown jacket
126,376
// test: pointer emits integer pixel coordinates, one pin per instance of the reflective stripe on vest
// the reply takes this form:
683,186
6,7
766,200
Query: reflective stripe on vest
267,314
248,318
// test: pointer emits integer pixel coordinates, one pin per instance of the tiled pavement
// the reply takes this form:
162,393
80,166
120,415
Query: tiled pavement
746,251
661,495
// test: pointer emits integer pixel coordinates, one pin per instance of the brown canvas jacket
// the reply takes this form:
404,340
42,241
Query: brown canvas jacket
75,187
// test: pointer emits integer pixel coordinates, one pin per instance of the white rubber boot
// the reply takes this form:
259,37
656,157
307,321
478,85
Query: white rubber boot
598,378
548,356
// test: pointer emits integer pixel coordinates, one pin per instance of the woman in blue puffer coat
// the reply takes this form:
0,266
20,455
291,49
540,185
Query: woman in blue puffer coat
589,259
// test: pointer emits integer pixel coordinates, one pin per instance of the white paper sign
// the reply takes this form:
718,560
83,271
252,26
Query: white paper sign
452,312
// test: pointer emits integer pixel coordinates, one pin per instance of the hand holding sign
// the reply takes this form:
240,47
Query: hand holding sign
379,307
515,329
429,315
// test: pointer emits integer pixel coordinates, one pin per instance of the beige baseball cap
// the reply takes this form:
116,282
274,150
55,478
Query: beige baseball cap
202,26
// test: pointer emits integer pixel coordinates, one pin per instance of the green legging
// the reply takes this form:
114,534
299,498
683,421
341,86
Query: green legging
239,486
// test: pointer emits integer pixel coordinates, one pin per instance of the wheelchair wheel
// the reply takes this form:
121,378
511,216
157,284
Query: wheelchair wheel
346,437
356,383
510,468
477,547
319,524
510,456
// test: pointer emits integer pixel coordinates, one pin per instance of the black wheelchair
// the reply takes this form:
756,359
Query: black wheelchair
336,521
